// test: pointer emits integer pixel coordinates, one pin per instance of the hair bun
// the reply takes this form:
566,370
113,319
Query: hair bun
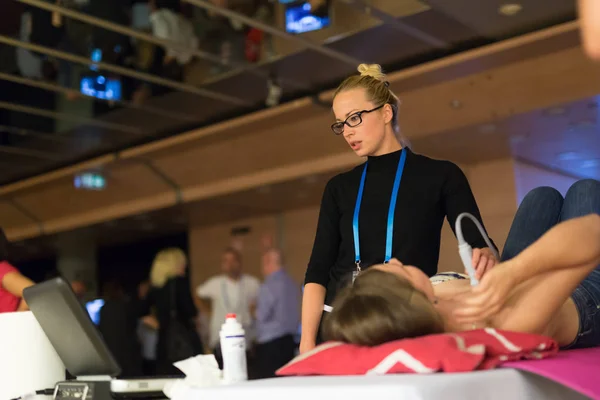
372,70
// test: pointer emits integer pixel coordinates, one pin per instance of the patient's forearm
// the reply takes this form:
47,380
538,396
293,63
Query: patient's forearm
23,306
572,243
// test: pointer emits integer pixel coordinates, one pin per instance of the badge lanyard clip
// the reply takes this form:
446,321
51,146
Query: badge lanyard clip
356,272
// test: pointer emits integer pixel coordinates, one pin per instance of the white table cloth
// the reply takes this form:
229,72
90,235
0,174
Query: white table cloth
499,384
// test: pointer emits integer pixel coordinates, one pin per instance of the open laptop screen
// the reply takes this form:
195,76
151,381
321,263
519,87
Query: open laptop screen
69,328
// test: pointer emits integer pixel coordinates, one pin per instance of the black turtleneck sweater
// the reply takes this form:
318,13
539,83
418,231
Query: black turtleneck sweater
430,190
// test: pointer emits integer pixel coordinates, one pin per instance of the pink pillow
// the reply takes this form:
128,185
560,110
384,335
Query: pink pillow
448,352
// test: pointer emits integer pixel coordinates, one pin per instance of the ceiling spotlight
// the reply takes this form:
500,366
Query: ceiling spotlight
510,9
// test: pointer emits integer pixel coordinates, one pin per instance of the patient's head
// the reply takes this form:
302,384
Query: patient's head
412,274
381,306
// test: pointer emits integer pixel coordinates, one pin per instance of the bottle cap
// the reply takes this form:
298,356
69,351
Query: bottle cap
231,315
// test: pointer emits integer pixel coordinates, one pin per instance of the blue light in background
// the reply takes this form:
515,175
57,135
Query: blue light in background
89,181
93,308
101,87
298,19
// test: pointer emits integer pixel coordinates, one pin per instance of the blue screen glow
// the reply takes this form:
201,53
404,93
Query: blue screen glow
101,87
93,308
298,19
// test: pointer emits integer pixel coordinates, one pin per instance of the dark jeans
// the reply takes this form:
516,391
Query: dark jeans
272,355
539,211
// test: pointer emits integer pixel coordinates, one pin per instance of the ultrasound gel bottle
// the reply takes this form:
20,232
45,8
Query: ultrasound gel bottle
233,348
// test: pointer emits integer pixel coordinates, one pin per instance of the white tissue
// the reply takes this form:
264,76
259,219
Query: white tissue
200,371
28,362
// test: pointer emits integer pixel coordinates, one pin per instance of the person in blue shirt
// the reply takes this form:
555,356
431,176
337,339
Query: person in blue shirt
277,316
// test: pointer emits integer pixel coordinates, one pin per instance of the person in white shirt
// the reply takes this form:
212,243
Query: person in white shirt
169,24
231,292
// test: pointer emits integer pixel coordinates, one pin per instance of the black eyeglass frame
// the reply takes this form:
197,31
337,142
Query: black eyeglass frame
356,114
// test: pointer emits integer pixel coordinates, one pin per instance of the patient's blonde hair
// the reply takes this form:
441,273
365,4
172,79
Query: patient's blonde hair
375,83
381,307
166,265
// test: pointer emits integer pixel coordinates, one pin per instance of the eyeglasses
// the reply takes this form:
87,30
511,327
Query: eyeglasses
352,120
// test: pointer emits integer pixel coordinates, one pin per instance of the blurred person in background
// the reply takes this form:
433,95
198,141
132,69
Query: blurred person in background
231,292
175,310
167,22
277,316
147,332
118,324
79,288
227,37
170,24
115,47
37,28
12,282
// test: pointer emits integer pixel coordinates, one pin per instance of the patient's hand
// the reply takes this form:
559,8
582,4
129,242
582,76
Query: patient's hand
483,261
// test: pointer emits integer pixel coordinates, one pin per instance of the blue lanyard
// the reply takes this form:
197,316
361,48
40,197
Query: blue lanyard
390,221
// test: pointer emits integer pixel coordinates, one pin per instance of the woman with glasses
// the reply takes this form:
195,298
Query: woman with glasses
391,206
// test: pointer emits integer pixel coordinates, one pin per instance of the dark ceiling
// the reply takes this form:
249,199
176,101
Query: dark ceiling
66,137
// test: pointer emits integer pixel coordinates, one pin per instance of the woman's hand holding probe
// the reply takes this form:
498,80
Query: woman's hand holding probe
483,261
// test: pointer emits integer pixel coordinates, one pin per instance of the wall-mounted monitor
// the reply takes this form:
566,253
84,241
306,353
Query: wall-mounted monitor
101,87
299,18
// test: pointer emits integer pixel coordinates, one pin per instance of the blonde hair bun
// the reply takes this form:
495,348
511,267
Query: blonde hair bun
372,70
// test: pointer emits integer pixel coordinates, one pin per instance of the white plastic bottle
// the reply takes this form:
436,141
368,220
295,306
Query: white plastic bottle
233,348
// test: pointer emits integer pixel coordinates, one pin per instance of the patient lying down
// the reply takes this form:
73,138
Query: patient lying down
551,288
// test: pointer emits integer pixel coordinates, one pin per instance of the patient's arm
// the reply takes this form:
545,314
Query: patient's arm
546,272
15,283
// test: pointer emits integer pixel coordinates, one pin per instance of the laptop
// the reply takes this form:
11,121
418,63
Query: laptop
78,342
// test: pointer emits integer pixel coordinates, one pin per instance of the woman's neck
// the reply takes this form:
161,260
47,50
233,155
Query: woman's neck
389,145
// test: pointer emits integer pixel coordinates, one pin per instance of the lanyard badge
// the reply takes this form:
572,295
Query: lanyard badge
390,220
356,272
